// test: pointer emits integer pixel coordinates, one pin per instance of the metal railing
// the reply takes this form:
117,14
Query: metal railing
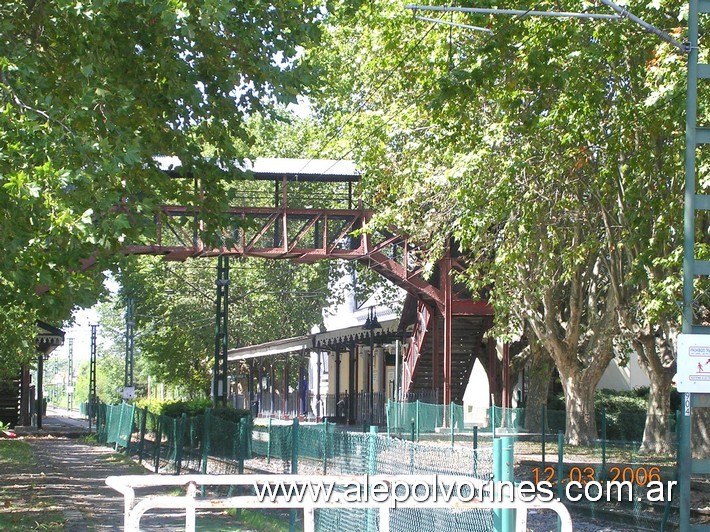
385,506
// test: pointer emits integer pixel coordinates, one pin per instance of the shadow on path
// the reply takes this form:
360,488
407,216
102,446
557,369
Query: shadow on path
71,475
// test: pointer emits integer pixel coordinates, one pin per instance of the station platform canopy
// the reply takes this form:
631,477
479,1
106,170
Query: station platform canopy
326,340
48,337
276,169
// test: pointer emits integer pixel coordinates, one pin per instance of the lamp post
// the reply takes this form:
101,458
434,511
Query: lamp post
371,324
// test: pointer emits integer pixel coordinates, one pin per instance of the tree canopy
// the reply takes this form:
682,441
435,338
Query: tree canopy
550,149
90,93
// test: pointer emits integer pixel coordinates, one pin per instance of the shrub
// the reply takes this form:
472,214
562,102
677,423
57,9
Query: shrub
193,407
231,414
625,412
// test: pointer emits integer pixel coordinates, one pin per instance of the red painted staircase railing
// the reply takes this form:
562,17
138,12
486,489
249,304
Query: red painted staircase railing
411,357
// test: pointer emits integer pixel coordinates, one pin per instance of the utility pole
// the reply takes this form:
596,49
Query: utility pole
221,337
92,376
695,337
70,376
128,388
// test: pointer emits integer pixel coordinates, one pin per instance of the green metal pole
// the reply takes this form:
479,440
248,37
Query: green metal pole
684,463
475,450
560,471
603,472
507,475
684,446
325,446
268,442
179,436
130,429
493,421
417,410
371,521
451,420
387,415
497,477
118,428
243,435
206,421
141,439
158,441
667,506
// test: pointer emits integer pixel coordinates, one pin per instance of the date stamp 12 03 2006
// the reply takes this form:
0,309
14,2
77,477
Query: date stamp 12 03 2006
615,483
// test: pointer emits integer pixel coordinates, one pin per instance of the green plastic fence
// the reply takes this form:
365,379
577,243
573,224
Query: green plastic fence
209,444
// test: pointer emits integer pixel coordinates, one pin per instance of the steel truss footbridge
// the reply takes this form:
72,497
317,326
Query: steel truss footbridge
340,231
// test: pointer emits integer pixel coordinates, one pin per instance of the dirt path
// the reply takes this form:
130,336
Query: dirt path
71,477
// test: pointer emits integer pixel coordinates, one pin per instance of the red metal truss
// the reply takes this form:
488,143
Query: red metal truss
302,235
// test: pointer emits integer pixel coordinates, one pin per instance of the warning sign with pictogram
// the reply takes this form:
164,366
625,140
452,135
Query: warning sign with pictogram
693,363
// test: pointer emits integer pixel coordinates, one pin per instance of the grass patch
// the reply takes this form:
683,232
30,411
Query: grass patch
16,454
89,439
261,521
21,507
133,467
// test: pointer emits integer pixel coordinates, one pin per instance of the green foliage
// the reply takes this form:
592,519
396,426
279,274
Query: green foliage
194,407
17,343
154,406
90,93
550,150
175,311
235,415
625,412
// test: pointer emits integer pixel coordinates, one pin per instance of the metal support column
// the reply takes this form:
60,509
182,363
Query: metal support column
272,386
695,137
337,379
70,376
40,391
221,337
130,324
505,393
448,327
319,375
92,377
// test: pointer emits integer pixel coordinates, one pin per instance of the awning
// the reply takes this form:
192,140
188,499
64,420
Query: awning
321,340
355,334
48,337
277,347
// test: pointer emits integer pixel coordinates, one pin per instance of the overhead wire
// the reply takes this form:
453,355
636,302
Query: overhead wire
420,94
368,94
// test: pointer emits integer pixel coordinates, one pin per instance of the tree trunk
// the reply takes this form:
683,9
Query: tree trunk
700,439
654,353
539,376
656,433
580,423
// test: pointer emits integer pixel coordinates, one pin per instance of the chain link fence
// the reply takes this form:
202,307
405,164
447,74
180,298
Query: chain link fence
209,444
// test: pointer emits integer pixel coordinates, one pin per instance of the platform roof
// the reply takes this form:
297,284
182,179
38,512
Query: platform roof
265,168
321,340
48,337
